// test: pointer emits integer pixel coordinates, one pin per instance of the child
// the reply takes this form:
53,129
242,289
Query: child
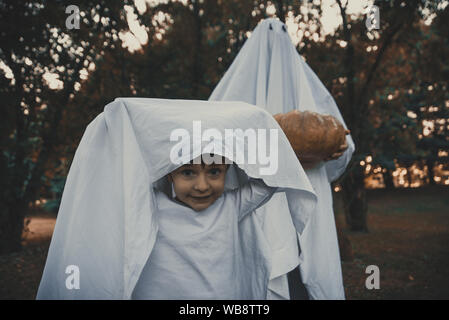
196,254
118,236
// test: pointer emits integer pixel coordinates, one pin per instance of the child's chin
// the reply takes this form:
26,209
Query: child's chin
200,207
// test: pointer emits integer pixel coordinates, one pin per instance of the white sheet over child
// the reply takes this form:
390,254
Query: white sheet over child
197,255
107,223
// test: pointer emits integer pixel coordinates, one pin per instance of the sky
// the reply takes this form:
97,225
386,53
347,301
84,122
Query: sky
330,20
137,36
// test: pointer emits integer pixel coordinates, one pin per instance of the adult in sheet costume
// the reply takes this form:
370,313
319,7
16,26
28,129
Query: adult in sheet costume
269,72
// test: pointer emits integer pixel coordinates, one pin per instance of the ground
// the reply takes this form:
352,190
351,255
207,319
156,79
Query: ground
408,240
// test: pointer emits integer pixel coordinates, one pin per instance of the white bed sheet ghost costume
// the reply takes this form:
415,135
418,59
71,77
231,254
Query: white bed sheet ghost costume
108,224
269,72
197,254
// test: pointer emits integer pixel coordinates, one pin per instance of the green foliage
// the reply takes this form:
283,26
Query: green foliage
35,43
56,188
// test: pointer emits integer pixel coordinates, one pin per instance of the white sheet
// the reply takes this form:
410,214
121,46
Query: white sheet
269,72
106,224
197,255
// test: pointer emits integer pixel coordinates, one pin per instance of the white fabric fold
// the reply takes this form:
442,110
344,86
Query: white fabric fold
269,72
106,225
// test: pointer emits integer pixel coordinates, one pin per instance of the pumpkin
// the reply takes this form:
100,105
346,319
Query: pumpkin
313,136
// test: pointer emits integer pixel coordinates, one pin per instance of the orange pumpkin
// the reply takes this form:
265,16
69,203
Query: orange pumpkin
313,136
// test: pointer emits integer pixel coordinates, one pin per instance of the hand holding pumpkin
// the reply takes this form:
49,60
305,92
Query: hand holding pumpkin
340,151
314,137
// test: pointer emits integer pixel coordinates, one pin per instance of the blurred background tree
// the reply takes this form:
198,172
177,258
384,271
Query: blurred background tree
371,80
42,65
390,84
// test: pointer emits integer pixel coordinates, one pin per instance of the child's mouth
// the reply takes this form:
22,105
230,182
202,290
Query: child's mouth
203,198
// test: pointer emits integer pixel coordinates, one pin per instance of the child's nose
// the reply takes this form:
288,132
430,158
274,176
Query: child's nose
201,183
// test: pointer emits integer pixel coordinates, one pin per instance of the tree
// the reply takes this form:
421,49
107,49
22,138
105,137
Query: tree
428,97
361,88
37,46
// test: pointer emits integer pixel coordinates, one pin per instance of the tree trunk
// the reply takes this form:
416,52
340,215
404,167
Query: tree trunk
197,65
11,204
354,194
388,179
11,227
279,4
430,164
409,176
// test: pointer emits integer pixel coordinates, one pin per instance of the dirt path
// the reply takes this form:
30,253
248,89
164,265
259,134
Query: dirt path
20,272
408,241
40,230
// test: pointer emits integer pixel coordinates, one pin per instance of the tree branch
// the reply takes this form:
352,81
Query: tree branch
280,9
350,72
399,19
375,65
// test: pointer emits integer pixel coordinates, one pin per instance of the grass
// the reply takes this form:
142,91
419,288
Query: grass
408,240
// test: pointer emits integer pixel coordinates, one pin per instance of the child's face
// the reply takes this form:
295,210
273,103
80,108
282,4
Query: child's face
199,185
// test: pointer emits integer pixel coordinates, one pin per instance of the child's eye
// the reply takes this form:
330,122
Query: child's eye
187,172
215,171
